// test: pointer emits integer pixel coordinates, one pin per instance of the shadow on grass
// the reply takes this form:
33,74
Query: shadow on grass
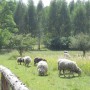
27,66
69,77
43,75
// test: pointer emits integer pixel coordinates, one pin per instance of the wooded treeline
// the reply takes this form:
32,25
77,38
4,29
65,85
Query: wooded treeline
58,26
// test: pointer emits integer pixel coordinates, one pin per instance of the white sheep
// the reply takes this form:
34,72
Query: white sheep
27,60
42,68
66,54
65,64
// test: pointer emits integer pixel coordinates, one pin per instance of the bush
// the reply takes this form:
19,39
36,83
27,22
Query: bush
57,43
80,42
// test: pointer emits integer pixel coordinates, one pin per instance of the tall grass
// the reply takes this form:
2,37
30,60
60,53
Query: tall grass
29,75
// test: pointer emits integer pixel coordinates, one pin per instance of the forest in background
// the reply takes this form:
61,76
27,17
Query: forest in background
59,26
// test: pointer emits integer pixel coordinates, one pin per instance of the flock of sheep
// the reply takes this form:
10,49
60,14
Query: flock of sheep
64,65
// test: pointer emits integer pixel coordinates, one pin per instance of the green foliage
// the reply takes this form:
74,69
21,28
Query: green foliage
22,43
87,7
45,23
71,6
39,22
19,17
79,20
59,19
5,35
52,17
31,18
7,24
63,23
6,20
57,43
81,42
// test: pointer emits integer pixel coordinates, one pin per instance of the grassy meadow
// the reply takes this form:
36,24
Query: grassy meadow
29,75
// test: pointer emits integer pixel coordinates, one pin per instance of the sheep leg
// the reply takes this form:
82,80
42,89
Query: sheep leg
64,73
20,63
59,73
39,74
34,63
71,72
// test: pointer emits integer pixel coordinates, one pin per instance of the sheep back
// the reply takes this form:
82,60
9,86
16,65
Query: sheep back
42,67
27,60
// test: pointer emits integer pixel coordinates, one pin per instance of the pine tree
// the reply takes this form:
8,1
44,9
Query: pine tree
31,18
79,20
39,22
19,17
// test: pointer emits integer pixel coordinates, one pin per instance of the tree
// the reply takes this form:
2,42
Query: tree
7,24
87,7
71,6
31,18
79,20
59,19
39,22
81,42
22,43
63,23
5,35
52,18
6,20
19,17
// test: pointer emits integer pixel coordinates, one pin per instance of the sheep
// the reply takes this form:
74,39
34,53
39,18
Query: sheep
36,60
66,54
27,60
65,64
42,68
20,60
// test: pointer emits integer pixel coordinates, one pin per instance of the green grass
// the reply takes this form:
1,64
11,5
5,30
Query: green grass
30,77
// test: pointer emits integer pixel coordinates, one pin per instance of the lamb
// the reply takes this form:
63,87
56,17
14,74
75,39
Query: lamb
66,54
27,60
20,60
42,68
65,64
36,60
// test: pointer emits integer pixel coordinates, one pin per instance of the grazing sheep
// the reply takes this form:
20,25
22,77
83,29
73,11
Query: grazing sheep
36,60
66,54
27,60
20,60
65,64
42,67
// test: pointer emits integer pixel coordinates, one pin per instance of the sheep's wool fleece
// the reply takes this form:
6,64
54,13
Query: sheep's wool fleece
42,63
66,61
27,58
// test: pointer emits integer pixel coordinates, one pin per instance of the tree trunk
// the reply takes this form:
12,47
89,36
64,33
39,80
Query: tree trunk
84,53
20,50
39,41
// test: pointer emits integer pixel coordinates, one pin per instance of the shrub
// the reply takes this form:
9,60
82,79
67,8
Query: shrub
57,43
